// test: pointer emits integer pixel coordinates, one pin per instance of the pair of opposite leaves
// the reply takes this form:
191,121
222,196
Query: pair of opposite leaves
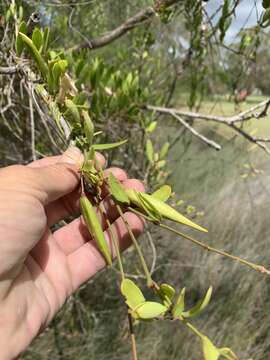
142,309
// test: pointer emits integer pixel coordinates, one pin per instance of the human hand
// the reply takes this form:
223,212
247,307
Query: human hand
40,269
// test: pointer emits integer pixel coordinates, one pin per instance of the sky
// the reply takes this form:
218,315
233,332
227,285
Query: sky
246,15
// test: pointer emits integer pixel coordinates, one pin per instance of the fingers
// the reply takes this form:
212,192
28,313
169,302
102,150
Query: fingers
86,261
74,235
61,178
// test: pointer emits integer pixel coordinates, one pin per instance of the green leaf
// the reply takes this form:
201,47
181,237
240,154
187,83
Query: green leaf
166,292
88,126
37,38
164,150
72,110
149,208
46,37
200,306
35,54
132,293
210,352
228,354
117,190
163,193
163,209
149,150
150,310
101,147
19,41
151,127
179,305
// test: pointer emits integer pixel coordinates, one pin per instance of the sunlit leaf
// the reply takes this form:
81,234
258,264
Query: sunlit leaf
210,352
200,306
180,304
72,110
101,147
151,127
117,190
163,193
35,54
228,354
163,209
149,150
37,38
132,293
150,310
164,150
148,207
166,292
19,41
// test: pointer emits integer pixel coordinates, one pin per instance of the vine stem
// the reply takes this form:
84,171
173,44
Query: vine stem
252,265
132,337
150,282
114,239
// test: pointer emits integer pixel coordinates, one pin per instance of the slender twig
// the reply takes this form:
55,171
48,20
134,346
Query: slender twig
132,337
149,279
203,138
254,266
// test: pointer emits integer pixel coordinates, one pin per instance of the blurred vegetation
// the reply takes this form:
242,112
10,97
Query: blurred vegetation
178,59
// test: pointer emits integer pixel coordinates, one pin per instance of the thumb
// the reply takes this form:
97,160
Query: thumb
59,179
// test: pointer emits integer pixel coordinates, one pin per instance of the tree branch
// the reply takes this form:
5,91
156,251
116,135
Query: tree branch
8,70
131,23
256,111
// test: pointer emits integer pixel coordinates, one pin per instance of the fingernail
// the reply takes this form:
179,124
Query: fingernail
72,155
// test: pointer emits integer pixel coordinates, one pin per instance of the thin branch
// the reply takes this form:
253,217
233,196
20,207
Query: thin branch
131,23
203,138
9,70
243,116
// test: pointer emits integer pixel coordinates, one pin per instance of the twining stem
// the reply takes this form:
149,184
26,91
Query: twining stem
114,239
150,282
192,328
254,266
132,337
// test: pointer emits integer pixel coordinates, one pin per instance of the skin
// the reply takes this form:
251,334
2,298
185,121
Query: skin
40,269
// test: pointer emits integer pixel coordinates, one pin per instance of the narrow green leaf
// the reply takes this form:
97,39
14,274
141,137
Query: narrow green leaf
151,127
101,147
35,54
117,190
88,126
179,305
151,210
228,354
163,209
37,38
132,293
94,227
19,41
163,193
164,150
166,292
210,352
150,310
72,110
46,37
200,306
149,150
